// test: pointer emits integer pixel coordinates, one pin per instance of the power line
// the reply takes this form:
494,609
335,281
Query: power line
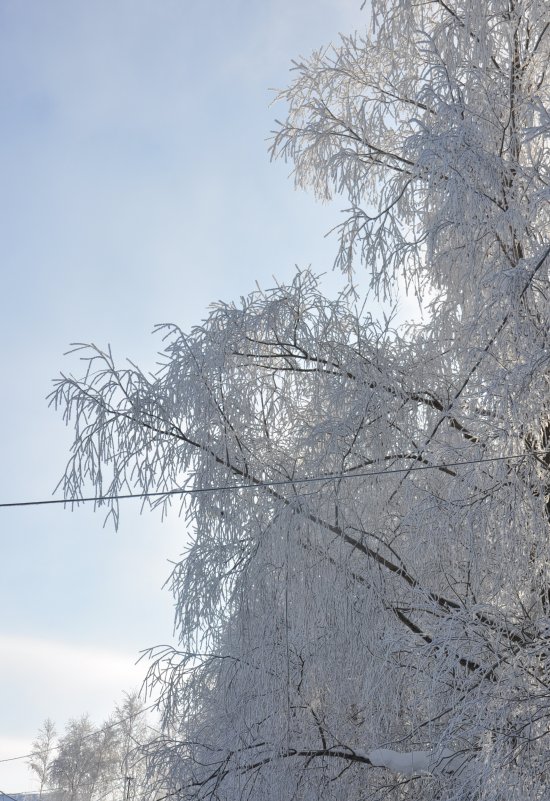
255,485
274,483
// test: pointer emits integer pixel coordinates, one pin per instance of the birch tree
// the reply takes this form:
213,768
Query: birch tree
41,755
363,605
92,763
78,767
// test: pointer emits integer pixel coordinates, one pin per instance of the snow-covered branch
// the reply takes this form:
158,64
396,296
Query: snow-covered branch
364,597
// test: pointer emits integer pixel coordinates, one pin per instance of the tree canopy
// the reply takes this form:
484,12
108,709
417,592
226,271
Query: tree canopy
90,763
363,605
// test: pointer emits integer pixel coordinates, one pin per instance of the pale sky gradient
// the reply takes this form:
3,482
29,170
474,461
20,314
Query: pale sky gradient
136,189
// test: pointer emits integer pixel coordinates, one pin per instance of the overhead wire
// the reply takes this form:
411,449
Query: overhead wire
256,484
241,486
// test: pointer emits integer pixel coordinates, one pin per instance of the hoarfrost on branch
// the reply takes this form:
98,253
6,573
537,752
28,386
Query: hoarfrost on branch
382,631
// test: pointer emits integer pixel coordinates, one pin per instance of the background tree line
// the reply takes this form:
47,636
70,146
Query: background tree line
93,763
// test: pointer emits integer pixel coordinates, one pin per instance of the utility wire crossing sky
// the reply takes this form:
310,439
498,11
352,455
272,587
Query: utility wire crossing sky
276,483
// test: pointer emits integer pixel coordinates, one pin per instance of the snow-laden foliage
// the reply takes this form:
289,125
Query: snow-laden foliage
363,605
89,763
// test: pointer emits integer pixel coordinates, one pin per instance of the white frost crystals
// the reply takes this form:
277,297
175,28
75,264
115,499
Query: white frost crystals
380,632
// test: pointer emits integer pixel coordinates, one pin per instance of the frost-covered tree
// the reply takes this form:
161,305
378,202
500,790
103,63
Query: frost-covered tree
86,761
42,754
74,771
133,737
363,607
92,763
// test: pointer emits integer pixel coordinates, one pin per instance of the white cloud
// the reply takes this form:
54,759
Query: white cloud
56,658
61,680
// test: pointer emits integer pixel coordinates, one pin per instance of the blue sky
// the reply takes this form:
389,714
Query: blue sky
136,189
